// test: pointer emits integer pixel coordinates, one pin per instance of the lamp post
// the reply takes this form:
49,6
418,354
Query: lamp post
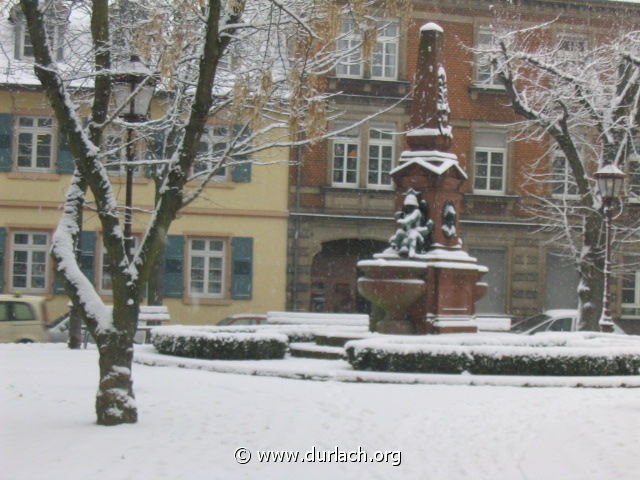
610,185
133,89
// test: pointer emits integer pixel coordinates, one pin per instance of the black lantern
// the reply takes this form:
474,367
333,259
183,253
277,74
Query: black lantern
610,182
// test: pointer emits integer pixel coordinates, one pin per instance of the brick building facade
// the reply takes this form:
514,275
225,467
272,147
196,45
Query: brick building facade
341,198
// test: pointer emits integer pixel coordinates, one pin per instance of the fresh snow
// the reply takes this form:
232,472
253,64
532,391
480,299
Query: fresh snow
192,421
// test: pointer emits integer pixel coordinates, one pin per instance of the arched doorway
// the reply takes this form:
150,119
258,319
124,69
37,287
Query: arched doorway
334,275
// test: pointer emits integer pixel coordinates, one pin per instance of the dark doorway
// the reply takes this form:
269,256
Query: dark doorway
334,275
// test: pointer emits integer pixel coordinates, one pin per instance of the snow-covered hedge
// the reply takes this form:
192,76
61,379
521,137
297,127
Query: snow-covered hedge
196,343
565,354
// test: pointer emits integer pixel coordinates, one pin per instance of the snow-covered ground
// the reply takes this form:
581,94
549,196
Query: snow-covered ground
192,422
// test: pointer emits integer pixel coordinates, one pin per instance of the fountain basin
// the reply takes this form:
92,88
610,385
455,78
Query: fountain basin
392,287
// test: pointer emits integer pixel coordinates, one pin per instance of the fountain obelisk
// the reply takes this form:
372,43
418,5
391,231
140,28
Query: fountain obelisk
425,282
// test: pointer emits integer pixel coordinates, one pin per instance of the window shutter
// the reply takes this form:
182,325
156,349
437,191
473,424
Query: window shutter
156,147
65,160
242,267
17,39
86,262
5,142
88,254
174,261
241,173
3,234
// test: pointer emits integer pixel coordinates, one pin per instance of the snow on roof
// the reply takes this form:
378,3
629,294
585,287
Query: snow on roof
432,160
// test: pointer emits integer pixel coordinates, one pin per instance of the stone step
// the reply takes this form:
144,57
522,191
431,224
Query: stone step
311,350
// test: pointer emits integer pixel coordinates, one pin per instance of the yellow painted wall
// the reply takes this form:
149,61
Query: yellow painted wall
256,209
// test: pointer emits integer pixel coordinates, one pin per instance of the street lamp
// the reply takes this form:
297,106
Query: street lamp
610,185
132,90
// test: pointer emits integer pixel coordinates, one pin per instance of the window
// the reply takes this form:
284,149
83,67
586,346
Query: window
29,261
380,158
563,184
23,47
213,145
633,172
384,57
115,160
490,162
571,47
385,54
34,150
346,158
349,41
207,267
631,288
485,70
105,282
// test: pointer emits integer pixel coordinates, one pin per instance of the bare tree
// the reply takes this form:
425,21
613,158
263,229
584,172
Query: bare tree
584,103
257,64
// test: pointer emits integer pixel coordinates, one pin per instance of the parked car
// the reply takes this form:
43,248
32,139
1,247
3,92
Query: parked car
23,318
243,319
560,320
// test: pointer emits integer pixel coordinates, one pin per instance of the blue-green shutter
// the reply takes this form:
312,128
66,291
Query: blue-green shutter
3,234
156,147
242,267
64,163
87,260
6,123
241,173
173,267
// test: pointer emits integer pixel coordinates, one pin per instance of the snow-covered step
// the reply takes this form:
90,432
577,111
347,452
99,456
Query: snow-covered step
338,339
311,350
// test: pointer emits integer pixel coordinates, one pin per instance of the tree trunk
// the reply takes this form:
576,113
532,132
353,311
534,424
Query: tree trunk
591,267
115,401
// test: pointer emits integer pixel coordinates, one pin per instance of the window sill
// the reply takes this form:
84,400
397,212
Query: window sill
28,175
206,301
498,197
478,88
355,189
225,184
119,179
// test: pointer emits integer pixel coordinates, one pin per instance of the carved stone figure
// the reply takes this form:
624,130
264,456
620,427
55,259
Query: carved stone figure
414,233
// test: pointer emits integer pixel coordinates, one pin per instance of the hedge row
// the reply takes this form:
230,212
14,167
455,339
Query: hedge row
193,343
482,361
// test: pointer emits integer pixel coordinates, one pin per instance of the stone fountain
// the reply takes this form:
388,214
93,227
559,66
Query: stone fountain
425,282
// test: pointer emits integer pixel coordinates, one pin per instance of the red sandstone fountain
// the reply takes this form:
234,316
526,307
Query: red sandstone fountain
425,282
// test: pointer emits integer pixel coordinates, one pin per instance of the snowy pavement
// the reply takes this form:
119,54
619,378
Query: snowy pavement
193,421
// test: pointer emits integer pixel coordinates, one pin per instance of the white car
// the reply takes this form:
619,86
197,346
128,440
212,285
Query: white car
561,320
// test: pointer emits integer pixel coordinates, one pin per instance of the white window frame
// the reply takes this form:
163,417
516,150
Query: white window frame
385,140
386,49
484,72
22,38
208,255
116,162
346,140
492,150
212,136
561,176
103,268
351,65
30,248
35,131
